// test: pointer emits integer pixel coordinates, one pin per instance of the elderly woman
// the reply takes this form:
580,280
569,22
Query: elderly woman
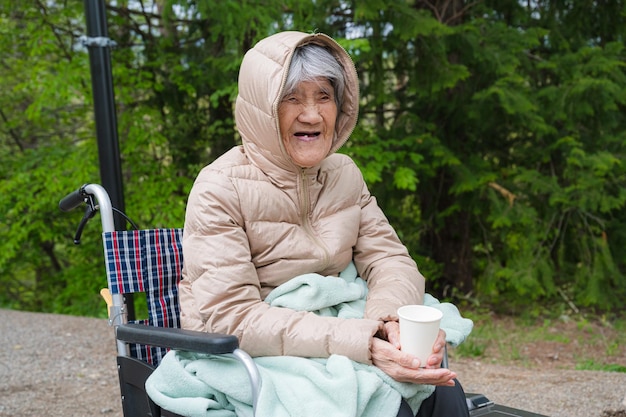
285,204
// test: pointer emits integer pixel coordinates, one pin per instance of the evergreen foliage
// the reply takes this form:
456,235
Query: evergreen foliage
492,133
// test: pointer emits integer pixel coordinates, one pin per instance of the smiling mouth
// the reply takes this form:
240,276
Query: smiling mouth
307,136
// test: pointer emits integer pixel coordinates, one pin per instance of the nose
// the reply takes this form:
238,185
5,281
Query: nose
310,113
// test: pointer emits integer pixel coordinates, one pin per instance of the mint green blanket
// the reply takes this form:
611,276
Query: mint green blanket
194,384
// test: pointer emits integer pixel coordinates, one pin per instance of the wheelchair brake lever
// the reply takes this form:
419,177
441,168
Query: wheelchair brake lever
90,211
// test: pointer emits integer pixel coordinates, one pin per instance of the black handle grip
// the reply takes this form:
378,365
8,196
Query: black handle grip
72,200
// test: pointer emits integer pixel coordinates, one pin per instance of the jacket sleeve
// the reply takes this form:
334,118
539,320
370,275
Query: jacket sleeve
392,276
220,289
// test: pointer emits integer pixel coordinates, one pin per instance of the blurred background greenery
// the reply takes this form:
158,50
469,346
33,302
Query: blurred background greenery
493,134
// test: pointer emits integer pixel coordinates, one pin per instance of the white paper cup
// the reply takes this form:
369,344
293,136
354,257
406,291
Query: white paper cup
419,326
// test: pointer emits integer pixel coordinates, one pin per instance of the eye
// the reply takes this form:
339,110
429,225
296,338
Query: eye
324,96
290,98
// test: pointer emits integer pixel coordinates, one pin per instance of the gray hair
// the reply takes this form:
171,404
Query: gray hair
311,61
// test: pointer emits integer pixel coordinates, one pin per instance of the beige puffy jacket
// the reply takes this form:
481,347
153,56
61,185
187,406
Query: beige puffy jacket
254,220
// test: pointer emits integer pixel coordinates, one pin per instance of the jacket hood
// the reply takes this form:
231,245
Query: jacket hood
262,77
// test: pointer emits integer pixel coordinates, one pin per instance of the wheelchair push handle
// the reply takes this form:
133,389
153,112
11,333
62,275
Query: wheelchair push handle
96,199
73,199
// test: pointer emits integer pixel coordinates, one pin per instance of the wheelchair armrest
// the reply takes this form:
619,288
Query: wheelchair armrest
179,339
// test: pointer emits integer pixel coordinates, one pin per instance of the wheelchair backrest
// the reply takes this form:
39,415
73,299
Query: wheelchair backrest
150,262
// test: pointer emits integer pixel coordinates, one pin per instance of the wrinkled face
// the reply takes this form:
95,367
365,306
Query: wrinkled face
307,119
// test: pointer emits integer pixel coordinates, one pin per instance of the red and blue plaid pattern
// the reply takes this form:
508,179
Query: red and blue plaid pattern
147,261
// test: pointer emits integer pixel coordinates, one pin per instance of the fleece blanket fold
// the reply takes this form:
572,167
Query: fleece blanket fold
200,385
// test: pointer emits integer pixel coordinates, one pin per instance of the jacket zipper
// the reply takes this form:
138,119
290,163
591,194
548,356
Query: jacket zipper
306,219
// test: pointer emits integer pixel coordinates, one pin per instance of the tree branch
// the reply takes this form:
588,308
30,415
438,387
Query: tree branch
54,29
12,132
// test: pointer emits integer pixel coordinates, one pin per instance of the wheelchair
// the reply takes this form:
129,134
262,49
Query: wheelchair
149,261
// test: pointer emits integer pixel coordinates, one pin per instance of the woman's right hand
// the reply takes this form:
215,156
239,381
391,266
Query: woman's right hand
404,367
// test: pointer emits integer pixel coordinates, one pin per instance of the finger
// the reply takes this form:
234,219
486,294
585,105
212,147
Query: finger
385,354
445,379
440,342
434,361
445,383
440,376
392,329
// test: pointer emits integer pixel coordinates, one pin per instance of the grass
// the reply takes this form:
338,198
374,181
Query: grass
566,342
590,365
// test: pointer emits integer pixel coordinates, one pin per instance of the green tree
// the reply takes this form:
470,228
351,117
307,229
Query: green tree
45,120
492,134
510,139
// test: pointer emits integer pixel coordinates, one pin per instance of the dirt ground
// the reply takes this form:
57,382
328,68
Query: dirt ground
56,365
541,362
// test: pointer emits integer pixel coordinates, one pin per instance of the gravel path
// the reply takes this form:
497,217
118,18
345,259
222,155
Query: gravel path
57,365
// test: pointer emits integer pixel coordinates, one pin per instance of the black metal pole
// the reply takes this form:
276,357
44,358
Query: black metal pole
98,44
